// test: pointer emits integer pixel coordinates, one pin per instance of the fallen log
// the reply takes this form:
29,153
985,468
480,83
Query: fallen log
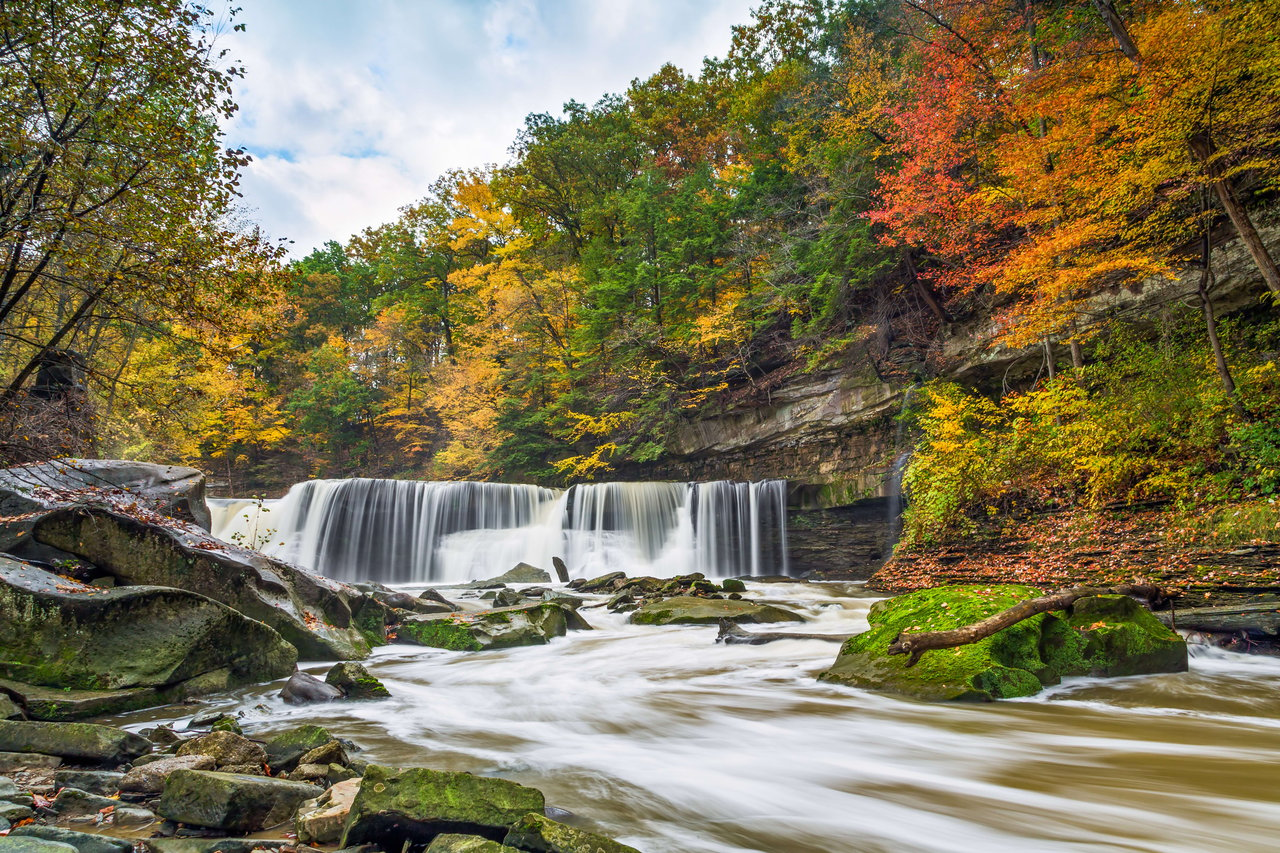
917,643
731,635
1258,619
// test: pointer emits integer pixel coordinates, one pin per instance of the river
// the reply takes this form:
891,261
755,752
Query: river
670,742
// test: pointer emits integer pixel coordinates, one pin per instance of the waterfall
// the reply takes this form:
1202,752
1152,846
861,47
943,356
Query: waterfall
399,531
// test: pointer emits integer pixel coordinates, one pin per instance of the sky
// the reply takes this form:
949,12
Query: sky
351,108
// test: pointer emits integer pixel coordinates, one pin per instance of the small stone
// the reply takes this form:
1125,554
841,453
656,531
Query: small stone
225,748
331,753
303,689
94,781
164,736
245,769
356,682
8,708
212,845
132,817
150,778
338,773
314,773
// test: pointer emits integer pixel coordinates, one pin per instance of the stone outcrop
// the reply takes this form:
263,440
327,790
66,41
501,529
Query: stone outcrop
709,611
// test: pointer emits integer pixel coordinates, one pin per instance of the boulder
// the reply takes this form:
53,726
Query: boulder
150,777
1100,636
355,682
83,742
225,748
284,751
14,762
124,648
499,628
523,573
331,753
104,782
231,801
72,802
132,817
733,585
454,843
562,571
304,689
320,821
537,833
33,845
8,709
507,598
430,595
604,583
312,613
214,845
687,610
394,806
83,842
15,812
9,792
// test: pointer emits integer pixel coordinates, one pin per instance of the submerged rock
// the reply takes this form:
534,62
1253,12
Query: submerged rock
705,611
415,805
78,741
356,682
232,801
535,832
500,628
1102,636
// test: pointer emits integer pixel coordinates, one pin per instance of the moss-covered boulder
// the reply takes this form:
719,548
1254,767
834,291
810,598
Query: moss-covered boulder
1099,635
687,610
532,624
534,832
454,843
356,682
225,748
314,614
285,750
84,742
232,801
417,804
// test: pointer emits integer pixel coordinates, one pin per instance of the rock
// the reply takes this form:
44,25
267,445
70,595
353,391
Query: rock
1101,635
433,596
339,773
94,781
12,762
219,721
150,778
163,736
453,843
331,753
284,750
9,792
522,573
499,628
535,832
316,615
225,748
356,682
245,769
686,610
131,817
507,598
212,845
320,821
83,842
8,709
33,845
733,585
14,812
304,689
72,802
416,804
80,741
156,642
316,774
604,583
562,571
231,801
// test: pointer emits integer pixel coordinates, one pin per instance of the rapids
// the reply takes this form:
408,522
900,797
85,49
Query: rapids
670,742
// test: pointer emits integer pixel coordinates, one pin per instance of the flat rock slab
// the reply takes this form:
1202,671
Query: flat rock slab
103,782
320,821
150,777
416,804
78,741
689,610
536,832
72,802
12,762
231,801
33,845
84,842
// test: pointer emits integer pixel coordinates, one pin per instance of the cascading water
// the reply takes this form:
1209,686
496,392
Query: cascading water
396,531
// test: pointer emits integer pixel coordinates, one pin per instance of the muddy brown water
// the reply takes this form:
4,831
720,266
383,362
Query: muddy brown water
671,742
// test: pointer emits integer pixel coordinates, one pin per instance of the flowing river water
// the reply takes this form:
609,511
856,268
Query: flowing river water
670,742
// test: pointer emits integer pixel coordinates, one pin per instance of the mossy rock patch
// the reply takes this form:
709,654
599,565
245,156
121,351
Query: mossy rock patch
689,610
1101,636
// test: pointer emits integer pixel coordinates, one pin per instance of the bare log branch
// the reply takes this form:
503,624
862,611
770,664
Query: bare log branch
731,635
917,643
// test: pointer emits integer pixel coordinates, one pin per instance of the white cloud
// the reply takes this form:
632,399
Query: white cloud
351,110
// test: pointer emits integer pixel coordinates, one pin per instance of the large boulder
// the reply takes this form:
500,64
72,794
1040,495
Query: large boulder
1101,636
499,628
537,833
415,805
227,749
315,614
303,689
84,742
688,610
59,633
149,778
231,801
356,682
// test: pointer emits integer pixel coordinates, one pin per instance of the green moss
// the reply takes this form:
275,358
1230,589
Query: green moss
441,634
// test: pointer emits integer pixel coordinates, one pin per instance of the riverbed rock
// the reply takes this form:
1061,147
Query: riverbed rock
103,782
214,845
523,573
14,762
84,742
733,585
225,748
150,777
284,750
83,842
304,689
604,583
538,833
499,628
15,812
231,801
72,802
687,610
416,804
1101,636
312,613
320,821
33,845
123,648
330,753
9,710
454,843
355,681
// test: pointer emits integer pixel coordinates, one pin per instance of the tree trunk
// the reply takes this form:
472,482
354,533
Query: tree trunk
1119,31
731,635
1204,149
1211,326
916,644
72,322
1048,358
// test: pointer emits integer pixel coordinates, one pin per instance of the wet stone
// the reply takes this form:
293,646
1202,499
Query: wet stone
84,842
94,781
